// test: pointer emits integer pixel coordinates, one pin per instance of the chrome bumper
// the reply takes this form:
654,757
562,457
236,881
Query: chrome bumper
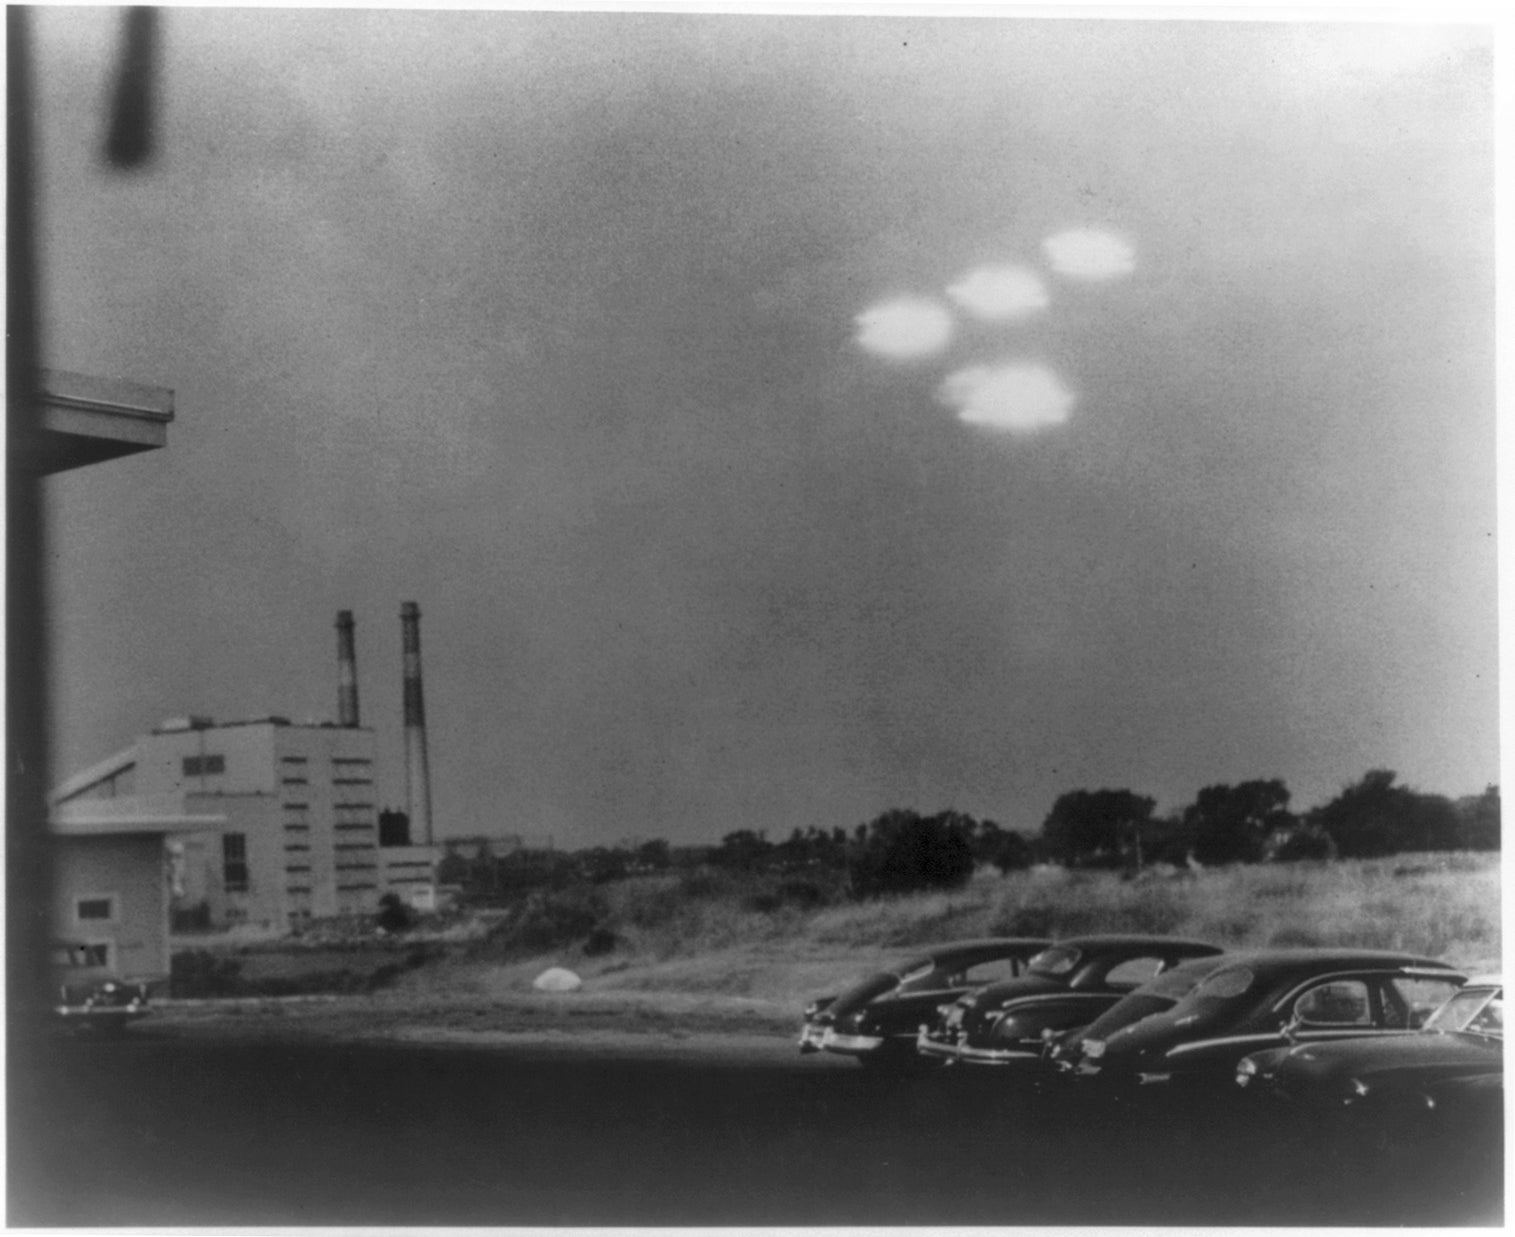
970,1055
851,1044
938,1049
99,1013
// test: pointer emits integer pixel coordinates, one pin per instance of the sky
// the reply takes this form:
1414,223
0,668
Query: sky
780,419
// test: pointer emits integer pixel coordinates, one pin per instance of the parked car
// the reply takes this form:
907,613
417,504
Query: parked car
875,1020
1270,999
1454,1062
1067,985
1156,996
88,995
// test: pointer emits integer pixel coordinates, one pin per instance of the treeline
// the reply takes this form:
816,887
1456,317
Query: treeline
902,850
1251,822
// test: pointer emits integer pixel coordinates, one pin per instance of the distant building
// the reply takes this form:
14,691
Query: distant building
111,881
301,838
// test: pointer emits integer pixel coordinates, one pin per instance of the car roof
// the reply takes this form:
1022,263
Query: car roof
1284,961
983,944
1136,940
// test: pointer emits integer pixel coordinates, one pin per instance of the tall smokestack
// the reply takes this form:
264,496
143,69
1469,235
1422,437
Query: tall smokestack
347,672
417,779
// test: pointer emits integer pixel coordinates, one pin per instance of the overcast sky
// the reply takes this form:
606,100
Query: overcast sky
779,419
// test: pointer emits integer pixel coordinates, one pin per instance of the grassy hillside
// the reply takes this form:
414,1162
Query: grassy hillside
714,934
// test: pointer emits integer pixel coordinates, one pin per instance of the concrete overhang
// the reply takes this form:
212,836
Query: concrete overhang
126,814
113,766
86,420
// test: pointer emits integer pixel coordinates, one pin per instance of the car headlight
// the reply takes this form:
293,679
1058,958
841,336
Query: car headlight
1094,1049
1357,1087
1246,1071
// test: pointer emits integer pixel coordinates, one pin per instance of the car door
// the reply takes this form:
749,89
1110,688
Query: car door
1365,1004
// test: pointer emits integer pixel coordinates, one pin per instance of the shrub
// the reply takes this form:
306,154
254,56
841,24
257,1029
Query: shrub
599,942
551,920
394,915
201,973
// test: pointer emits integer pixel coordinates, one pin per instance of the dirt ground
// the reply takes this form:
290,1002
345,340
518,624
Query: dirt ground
638,1019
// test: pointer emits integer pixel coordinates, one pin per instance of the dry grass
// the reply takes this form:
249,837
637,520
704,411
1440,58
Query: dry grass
708,938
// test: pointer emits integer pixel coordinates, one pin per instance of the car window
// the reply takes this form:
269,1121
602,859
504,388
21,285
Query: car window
1224,985
1490,1019
988,972
1056,960
1342,1002
1464,1009
1409,1001
1133,971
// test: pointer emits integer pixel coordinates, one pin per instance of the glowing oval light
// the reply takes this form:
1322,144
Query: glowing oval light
904,328
1021,398
1090,253
1000,292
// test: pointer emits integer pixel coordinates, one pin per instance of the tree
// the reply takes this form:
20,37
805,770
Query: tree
1478,820
743,851
1231,824
1012,852
653,855
1096,828
905,852
1376,817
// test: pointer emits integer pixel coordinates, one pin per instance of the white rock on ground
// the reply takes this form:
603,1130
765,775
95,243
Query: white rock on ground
557,979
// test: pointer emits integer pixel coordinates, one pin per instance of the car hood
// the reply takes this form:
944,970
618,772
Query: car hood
1126,1012
1139,1043
1407,1058
852,999
982,1004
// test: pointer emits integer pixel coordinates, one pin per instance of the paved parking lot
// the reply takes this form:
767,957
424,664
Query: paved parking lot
155,1130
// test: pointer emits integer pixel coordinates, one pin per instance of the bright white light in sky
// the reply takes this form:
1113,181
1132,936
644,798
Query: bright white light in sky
1090,253
1000,292
904,328
1021,398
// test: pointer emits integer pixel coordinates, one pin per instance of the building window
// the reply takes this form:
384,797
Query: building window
94,955
95,910
234,862
198,766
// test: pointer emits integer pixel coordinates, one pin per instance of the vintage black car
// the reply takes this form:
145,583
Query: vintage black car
1156,996
875,1020
1270,999
88,995
1067,985
1454,1062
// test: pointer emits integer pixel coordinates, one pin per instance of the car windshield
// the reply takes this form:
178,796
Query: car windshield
915,970
1058,960
1217,990
1180,981
1480,1010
